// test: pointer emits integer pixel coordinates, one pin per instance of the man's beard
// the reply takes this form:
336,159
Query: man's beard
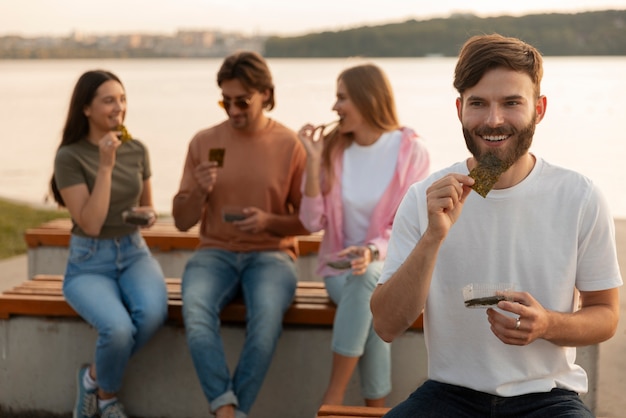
508,156
239,122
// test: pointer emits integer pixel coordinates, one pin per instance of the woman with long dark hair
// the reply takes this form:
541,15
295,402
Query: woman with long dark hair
111,279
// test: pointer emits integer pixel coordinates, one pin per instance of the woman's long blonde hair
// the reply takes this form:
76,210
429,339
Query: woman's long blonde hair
370,91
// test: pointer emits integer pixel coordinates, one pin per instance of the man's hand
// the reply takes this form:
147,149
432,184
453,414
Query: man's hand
527,320
445,199
528,323
256,220
205,174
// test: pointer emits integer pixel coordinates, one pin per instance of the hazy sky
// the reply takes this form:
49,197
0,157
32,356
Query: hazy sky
290,17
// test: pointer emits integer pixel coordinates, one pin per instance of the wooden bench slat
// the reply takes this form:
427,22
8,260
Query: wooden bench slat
56,306
27,291
27,298
162,236
43,296
34,305
351,411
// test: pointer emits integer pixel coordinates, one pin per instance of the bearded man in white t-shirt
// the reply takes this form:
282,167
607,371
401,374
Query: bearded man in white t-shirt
544,230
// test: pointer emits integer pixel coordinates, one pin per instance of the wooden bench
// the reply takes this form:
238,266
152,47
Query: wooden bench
162,236
43,296
48,248
345,411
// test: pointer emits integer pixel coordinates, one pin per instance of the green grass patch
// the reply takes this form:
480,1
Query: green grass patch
15,219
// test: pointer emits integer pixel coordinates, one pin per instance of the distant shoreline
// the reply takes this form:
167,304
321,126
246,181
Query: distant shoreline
36,205
587,33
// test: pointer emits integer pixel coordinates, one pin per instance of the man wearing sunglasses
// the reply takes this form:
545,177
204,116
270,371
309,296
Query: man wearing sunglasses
241,181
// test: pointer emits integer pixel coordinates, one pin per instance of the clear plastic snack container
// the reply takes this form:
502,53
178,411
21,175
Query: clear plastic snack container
485,295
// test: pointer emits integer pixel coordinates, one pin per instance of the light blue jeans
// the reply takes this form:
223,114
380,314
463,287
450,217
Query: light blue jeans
353,332
267,281
118,288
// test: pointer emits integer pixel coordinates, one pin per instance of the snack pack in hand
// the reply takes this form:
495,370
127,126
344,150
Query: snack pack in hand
124,135
487,173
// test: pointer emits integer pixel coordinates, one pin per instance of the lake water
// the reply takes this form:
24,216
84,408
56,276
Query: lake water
171,99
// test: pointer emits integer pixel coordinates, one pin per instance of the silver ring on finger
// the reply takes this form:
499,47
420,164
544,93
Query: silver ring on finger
518,323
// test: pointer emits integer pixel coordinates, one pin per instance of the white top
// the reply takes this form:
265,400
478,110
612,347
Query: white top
549,234
367,171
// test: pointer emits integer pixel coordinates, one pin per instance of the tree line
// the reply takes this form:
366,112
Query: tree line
555,34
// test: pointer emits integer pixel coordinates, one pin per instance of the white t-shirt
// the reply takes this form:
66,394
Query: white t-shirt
549,234
366,173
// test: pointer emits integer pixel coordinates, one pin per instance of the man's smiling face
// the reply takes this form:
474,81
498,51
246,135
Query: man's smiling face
499,115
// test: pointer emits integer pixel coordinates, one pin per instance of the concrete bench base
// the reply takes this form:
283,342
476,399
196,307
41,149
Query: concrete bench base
40,357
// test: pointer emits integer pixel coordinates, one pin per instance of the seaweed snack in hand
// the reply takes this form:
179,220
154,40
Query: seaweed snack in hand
484,295
137,218
485,301
217,155
329,127
487,173
233,213
124,134
340,262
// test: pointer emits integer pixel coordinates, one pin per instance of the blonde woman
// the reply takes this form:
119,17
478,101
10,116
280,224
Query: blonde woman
356,176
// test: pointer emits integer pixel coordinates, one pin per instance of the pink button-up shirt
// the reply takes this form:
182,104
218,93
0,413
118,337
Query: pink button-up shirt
325,212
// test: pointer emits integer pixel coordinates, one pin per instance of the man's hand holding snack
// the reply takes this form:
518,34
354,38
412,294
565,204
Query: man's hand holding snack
445,199
256,220
206,175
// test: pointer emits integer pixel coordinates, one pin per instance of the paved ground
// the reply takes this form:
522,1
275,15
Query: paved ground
612,374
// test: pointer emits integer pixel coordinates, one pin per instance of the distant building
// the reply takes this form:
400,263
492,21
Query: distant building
183,44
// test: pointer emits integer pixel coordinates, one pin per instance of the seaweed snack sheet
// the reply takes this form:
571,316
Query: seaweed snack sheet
481,295
487,173
125,135
486,301
217,155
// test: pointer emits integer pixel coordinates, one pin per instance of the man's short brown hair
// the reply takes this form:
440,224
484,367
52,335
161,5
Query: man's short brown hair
482,53
251,70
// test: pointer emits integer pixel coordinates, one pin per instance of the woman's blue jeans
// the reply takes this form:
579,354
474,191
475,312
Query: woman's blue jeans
440,400
118,288
267,281
353,332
